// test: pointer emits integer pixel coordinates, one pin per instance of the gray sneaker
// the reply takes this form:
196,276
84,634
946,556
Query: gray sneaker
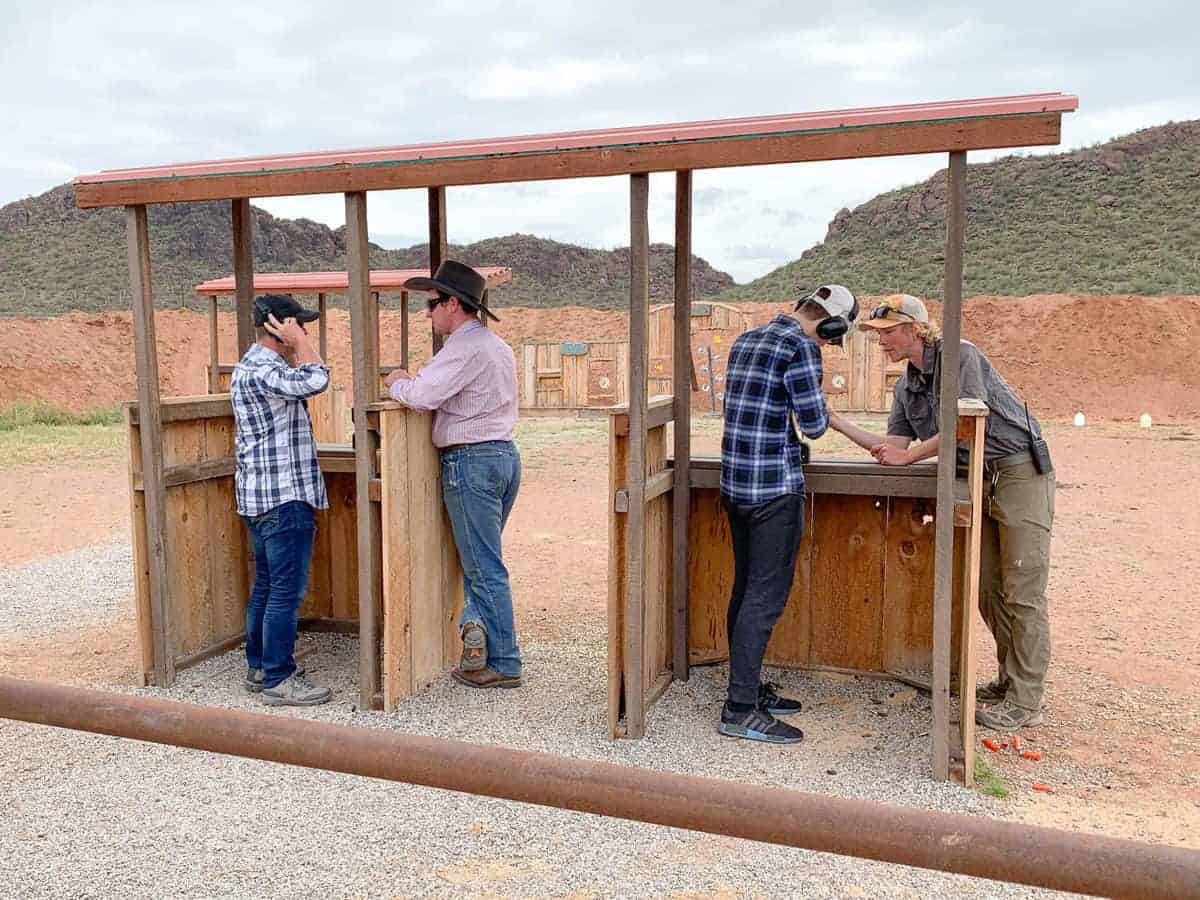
474,653
296,691
1007,716
254,680
992,692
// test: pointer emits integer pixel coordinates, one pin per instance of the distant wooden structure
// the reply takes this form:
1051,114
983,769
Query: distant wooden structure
651,531
571,376
329,410
858,377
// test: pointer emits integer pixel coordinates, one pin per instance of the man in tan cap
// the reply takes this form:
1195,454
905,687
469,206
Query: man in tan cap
1019,491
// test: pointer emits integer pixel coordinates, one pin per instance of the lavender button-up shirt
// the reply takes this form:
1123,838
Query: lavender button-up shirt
472,383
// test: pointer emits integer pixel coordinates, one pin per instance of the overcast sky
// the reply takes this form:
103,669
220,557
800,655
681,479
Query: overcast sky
91,86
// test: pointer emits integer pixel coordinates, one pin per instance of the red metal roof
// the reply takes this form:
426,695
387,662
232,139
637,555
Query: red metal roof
337,282
609,138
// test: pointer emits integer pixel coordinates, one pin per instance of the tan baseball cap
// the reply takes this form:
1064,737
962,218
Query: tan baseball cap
895,310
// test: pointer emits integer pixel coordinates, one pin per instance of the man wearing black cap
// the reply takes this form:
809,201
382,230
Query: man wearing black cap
472,384
772,378
279,485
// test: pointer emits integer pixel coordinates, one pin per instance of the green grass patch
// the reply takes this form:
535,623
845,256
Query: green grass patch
35,434
24,415
987,782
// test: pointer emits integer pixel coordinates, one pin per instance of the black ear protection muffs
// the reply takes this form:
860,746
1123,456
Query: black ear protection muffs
831,328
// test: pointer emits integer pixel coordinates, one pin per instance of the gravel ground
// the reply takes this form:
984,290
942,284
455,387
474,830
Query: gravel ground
84,586
88,816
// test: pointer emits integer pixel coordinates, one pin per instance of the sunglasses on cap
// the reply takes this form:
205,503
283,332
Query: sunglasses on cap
889,312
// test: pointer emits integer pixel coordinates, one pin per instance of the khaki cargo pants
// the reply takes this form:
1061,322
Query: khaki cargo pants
1014,568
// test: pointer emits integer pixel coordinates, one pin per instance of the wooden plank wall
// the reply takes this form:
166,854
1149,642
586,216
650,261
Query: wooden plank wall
329,412
863,594
333,577
548,379
422,581
208,554
859,377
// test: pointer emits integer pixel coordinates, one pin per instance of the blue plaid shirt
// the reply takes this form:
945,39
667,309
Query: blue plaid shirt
773,371
276,454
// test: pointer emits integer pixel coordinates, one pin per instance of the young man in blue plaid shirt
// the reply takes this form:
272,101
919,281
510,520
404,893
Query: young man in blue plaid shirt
279,485
773,375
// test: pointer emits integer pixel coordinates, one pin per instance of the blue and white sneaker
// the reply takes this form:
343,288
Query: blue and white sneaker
758,725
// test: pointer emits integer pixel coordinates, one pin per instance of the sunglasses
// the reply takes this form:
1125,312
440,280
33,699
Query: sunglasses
888,312
434,302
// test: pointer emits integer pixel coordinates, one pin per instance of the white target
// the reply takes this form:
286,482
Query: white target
839,381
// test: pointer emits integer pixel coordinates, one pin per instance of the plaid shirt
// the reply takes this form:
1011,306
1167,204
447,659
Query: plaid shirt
276,455
772,372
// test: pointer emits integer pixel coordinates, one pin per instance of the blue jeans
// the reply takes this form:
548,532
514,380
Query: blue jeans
479,484
283,543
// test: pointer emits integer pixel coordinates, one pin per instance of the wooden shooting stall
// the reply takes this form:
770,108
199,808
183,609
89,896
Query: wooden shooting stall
652,537
330,410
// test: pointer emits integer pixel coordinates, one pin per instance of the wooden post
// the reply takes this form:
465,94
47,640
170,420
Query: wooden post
137,236
639,300
681,497
437,240
973,419
322,329
943,575
243,273
404,330
214,355
364,353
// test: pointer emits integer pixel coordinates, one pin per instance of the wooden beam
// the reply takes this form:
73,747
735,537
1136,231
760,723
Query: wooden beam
943,574
214,355
656,486
366,442
1025,130
190,473
660,410
639,303
684,375
184,409
970,599
323,328
243,273
137,237
404,330
437,240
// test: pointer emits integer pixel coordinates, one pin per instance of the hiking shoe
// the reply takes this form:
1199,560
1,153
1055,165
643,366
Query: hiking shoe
485,678
474,652
770,701
1007,716
758,725
992,692
296,691
254,680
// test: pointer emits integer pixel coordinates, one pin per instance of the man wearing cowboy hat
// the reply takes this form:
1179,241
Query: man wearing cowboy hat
772,377
1019,512
472,384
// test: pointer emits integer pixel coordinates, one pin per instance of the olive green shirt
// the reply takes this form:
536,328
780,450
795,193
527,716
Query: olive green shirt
915,403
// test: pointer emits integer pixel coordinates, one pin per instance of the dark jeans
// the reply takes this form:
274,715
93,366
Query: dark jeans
480,484
283,542
766,539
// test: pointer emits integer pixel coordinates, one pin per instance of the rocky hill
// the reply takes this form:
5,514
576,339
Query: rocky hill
1117,218
55,258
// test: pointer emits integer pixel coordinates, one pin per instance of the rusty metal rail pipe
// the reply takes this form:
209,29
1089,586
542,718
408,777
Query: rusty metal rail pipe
985,848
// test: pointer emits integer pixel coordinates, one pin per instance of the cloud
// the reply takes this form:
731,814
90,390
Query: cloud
158,84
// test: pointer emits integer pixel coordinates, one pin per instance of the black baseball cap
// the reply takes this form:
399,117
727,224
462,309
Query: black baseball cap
281,306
